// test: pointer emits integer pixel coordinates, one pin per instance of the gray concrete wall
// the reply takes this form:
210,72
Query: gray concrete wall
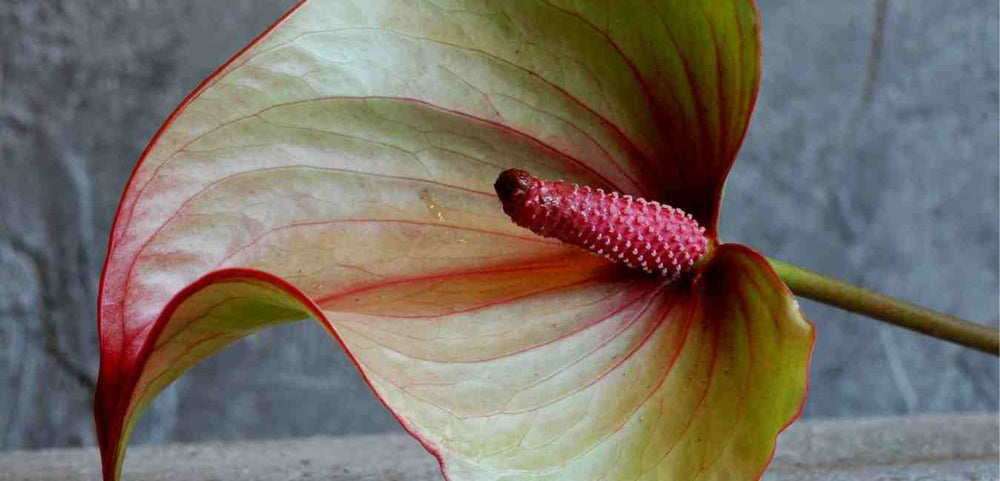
872,157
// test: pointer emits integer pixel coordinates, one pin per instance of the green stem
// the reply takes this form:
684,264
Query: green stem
820,288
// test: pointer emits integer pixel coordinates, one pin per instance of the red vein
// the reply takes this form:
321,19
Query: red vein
604,121
694,412
744,309
477,307
436,276
653,391
699,107
581,327
640,79
128,274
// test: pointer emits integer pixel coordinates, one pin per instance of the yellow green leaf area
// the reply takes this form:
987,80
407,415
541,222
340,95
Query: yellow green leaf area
679,382
622,379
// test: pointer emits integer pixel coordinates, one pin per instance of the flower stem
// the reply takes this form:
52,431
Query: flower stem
840,294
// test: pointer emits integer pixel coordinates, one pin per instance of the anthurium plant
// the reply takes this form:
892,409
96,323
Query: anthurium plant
374,165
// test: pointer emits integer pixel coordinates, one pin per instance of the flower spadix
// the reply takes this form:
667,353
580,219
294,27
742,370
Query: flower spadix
342,169
641,234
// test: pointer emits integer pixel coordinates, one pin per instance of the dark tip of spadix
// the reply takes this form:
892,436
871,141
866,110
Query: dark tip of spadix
511,183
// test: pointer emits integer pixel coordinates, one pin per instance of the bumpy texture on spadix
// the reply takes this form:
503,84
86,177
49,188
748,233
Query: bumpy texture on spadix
341,169
633,231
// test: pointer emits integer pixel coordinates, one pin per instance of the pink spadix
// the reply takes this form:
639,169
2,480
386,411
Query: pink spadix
636,232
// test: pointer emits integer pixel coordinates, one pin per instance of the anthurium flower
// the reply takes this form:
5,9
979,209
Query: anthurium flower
341,168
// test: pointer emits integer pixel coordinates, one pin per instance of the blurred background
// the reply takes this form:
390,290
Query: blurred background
872,157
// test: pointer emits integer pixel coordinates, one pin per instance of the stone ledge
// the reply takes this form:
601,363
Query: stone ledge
954,447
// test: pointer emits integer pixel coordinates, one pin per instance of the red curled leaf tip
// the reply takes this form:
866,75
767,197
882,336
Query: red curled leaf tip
636,232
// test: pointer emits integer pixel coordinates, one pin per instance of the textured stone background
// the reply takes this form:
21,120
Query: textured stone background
873,156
